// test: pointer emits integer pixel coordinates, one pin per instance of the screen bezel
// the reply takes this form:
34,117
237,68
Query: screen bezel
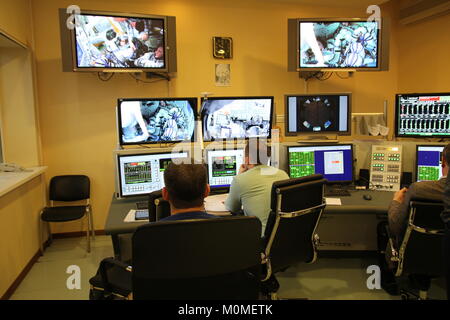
417,156
220,188
325,145
325,69
119,173
340,133
73,41
119,119
238,98
397,115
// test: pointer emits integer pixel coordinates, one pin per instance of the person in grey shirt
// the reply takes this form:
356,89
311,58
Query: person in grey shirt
250,190
433,190
398,214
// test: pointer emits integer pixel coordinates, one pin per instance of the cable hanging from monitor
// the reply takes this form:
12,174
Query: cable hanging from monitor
140,80
105,76
339,76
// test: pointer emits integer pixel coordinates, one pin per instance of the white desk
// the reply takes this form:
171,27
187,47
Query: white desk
12,180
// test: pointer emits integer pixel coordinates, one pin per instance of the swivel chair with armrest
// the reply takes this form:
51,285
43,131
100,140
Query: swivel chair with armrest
207,259
420,252
290,235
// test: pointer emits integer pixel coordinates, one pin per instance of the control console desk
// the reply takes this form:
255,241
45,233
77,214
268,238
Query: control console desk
352,226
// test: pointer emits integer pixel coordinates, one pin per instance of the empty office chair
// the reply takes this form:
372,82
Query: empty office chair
420,252
290,238
207,259
68,188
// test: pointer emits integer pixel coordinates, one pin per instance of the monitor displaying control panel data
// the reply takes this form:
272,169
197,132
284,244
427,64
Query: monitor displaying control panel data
429,162
140,174
223,165
334,162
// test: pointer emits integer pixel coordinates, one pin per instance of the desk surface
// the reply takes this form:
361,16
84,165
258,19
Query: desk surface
379,204
118,210
356,203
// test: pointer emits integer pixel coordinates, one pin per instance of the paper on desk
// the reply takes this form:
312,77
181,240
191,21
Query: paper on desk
333,201
216,203
131,217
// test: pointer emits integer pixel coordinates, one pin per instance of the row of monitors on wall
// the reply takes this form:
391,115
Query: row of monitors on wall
140,174
96,40
167,120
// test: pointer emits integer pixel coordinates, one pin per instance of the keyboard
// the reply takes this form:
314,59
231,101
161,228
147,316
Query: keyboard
336,193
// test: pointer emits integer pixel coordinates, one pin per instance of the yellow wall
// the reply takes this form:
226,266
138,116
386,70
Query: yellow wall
19,237
15,18
425,56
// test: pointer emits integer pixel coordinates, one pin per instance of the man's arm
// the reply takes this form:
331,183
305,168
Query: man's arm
233,201
399,209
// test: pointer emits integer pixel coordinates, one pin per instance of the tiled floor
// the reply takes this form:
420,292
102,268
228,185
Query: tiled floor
328,278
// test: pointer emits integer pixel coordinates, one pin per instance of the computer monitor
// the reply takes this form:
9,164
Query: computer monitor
140,174
334,162
318,113
422,115
223,165
343,44
236,117
156,120
429,162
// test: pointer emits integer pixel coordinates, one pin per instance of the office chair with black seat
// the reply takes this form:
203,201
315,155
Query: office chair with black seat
68,188
211,259
420,253
290,235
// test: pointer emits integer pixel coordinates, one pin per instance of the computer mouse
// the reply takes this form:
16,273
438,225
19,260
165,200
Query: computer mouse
367,197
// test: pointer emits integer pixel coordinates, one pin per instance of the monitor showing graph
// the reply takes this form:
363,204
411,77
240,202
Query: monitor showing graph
223,165
141,174
335,162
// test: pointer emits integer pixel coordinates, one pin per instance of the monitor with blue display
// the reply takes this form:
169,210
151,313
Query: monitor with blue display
429,162
334,162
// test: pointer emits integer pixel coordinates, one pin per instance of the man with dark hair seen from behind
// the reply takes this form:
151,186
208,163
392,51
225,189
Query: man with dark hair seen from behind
251,188
398,214
185,189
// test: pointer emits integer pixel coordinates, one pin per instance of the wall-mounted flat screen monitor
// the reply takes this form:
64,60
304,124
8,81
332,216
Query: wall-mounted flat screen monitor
112,41
156,120
328,43
236,117
422,115
223,166
318,113
334,162
429,162
140,174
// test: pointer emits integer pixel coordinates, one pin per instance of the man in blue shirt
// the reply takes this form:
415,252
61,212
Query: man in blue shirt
185,190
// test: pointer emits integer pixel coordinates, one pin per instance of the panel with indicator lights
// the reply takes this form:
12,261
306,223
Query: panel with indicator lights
386,167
